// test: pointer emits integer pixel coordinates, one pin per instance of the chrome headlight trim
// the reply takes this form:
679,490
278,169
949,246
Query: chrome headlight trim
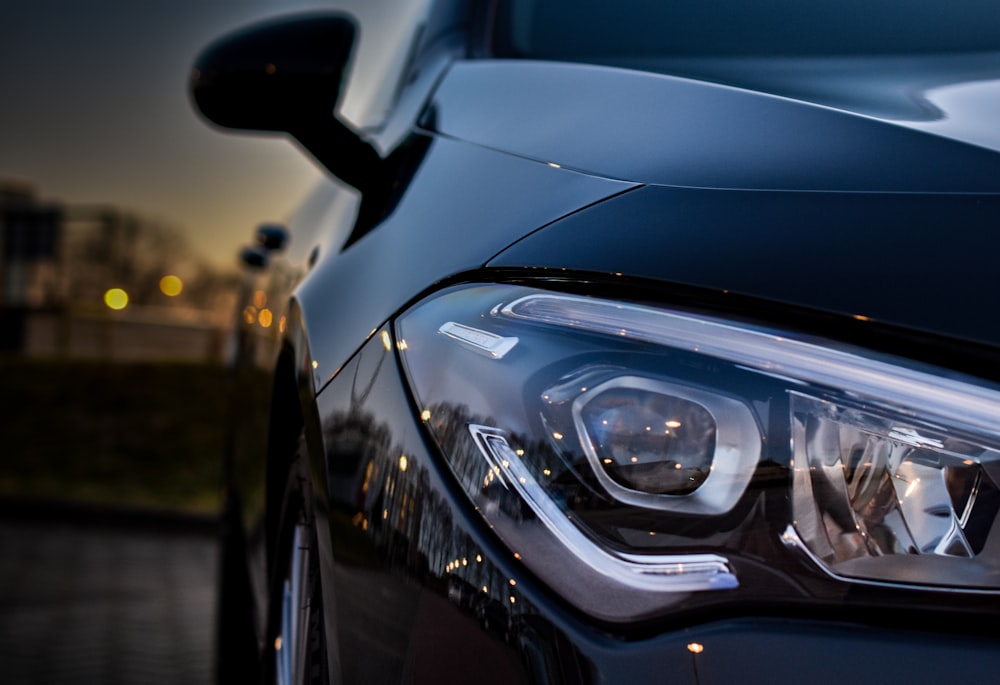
737,450
659,573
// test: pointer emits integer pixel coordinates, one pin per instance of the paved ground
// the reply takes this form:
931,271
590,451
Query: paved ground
109,599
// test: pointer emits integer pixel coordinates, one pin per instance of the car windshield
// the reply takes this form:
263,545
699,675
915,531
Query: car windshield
612,32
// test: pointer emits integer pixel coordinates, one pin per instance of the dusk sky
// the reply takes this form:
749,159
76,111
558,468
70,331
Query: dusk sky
94,109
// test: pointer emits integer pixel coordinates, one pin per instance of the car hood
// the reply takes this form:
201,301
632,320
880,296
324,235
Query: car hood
917,124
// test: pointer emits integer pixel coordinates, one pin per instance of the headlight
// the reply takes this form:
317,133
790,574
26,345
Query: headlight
634,457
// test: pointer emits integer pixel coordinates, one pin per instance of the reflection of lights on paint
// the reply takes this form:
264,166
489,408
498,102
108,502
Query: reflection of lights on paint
479,558
259,299
264,318
696,648
513,599
281,324
386,342
277,644
315,365
368,477
249,314
425,415
403,462
116,299
171,285
401,345
512,582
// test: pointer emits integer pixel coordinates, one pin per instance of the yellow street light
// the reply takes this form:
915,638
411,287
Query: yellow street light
171,285
116,299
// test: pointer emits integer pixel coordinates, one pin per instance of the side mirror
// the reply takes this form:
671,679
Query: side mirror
285,75
278,75
272,237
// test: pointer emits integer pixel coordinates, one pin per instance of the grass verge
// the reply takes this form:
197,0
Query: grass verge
126,435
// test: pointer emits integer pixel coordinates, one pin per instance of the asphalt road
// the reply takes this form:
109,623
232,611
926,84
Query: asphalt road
105,597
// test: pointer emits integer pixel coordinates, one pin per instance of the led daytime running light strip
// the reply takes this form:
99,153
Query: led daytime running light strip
967,405
671,573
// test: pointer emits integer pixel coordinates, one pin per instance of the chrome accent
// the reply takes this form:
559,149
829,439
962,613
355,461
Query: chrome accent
662,573
290,651
791,540
484,342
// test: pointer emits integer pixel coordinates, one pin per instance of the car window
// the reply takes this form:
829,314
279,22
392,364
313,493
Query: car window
386,29
596,30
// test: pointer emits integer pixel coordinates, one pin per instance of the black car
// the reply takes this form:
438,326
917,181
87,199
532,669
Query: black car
625,342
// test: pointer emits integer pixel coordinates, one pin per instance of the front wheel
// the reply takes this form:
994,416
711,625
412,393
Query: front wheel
293,653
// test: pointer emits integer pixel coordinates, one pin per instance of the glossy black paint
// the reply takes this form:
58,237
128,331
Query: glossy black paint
900,259
463,205
394,525
663,130
839,206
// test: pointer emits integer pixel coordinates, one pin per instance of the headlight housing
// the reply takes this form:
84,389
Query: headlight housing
641,460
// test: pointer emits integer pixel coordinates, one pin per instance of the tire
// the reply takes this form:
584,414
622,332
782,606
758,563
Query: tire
294,645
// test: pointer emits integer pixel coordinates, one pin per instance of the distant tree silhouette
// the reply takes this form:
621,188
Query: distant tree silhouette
109,247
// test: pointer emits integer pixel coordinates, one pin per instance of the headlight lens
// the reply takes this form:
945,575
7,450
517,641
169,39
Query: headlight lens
880,497
642,439
633,456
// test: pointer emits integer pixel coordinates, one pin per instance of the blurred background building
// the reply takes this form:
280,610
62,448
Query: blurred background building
100,282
